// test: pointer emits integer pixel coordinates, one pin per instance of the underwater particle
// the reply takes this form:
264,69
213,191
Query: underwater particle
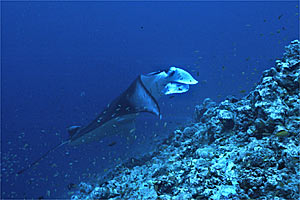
55,175
243,73
261,34
223,67
165,124
242,91
82,93
142,27
278,31
40,197
204,81
198,74
265,20
196,51
248,25
283,28
171,97
247,59
279,17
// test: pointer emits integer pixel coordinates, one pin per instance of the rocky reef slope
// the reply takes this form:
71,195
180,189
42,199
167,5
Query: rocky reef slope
240,149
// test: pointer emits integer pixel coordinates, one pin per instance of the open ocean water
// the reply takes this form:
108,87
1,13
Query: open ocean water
63,62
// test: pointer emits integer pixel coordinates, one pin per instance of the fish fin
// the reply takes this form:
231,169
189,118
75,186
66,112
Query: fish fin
72,130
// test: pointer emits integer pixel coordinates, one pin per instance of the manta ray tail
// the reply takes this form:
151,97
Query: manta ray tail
42,157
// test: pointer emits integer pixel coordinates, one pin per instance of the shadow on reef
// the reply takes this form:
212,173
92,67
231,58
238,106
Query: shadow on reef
240,149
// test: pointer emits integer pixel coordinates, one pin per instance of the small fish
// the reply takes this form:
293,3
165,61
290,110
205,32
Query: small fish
132,130
198,74
242,91
282,133
112,144
53,165
171,97
40,197
266,134
72,186
279,17
165,124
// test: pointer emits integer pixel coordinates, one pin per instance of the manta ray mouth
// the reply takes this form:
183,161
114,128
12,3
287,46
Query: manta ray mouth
175,87
185,81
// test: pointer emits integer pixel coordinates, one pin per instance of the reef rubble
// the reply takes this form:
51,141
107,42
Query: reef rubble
244,148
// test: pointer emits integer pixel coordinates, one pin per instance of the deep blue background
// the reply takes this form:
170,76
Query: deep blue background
62,62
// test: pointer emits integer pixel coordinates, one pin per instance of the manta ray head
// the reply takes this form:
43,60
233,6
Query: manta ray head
171,81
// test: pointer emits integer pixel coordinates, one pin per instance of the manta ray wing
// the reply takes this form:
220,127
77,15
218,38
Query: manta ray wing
119,116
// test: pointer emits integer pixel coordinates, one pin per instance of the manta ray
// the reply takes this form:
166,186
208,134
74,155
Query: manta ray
119,116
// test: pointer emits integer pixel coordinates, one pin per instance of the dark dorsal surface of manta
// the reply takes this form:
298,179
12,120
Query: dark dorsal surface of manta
119,116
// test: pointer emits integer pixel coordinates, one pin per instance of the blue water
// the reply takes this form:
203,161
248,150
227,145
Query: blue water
63,62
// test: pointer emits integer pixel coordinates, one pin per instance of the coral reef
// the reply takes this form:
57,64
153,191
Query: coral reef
240,149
